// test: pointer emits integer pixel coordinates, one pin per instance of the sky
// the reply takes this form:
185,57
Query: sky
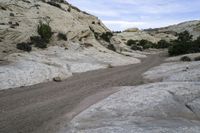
122,14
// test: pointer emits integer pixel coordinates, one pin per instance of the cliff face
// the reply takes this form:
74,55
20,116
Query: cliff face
20,18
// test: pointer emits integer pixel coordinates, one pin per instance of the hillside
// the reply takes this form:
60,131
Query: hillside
193,27
80,42
20,18
165,33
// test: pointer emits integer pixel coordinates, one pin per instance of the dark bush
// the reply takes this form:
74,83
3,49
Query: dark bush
24,46
26,1
185,58
131,42
117,31
162,44
62,36
60,1
69,9
44,30
38,42
178,49
184,45
195,46
106,36
184,37
145,44
42,44
136,47
197,58
111,47
52,3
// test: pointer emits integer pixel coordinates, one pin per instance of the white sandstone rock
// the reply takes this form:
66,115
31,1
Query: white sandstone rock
44,65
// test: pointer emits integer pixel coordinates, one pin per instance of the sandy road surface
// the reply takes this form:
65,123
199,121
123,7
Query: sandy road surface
46,107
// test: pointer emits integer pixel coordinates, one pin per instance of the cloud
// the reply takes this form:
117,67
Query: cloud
121,14
122,24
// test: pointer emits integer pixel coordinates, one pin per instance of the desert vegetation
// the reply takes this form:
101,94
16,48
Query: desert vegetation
106,36
145,44
45,32
184,45
41,41
24,46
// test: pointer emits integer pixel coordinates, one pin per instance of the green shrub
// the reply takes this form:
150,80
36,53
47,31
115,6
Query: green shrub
106,36
145,44
136,47
162,44
131,42
62,36
185,58
184,45
24,46
178,49
38,42
184,37
195,46
45,32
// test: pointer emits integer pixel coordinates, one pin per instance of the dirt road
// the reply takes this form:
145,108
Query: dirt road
46,107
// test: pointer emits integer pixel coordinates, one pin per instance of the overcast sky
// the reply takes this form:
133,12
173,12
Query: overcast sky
122,14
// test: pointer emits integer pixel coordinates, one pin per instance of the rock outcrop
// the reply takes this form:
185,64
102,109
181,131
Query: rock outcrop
193,27
166,33
132,30
171,105
82,48
20,18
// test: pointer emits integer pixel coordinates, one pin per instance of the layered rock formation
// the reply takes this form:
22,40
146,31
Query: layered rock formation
20,18
171,105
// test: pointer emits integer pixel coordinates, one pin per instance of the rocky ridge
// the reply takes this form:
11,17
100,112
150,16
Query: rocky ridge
165,33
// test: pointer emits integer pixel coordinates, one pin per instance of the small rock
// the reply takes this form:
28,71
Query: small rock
57,79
